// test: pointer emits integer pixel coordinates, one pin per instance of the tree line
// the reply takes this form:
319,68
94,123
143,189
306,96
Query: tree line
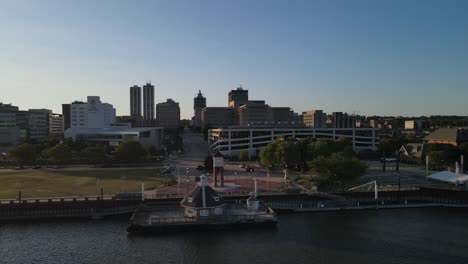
66,152
333,163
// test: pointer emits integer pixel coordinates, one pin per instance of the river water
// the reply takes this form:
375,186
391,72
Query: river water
374,236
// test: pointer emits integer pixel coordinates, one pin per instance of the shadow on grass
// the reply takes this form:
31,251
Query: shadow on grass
131,174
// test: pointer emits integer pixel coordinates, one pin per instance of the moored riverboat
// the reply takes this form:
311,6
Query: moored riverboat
203,208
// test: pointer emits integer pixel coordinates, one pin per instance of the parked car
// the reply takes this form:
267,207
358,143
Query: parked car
249,169
243,166
36,167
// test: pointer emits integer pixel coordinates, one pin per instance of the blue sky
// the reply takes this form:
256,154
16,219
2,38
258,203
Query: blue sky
369,57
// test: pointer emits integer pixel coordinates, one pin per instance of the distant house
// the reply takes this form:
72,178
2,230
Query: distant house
449,135
413,151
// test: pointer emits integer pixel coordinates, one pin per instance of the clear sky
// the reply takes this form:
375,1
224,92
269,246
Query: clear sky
389,57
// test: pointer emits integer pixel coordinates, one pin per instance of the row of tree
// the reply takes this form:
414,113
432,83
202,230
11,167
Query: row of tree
333,162
129,152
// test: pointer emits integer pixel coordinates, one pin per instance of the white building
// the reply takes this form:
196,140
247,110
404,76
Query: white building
413,124
231,141
114,135
56,125
92,114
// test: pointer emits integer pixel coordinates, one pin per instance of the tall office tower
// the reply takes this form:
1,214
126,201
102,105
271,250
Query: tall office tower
135,101
92,114
9,131
238,97
199,103
168,114
343,120
314,118
148,101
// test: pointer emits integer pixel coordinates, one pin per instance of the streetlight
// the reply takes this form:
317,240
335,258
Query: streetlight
268,180
98,180
235,175
123,183
187,179
178,179
251,178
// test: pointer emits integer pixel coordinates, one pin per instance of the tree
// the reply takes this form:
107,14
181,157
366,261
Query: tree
243,155
208,163
410,138
307,151
436,160
287,154
267,155
76,145
338,169
389,146
463,147
94,154
59,154
325,147
24,153
153,151
131,152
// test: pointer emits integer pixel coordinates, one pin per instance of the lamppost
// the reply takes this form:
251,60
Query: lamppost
98,180
123,183
251,179
235,177
187,179
178,180
268,180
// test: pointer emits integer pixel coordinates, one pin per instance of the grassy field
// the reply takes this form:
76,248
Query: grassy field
53,183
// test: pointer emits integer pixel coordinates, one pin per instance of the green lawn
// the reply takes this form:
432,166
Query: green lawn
53,183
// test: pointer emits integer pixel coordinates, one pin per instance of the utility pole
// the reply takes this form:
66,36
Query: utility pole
427,165
268,180
178,180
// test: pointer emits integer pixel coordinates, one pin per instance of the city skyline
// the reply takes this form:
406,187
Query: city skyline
411,56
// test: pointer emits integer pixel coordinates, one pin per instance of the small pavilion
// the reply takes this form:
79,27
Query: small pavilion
203,201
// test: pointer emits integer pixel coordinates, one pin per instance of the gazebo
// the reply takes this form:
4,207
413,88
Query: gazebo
203,201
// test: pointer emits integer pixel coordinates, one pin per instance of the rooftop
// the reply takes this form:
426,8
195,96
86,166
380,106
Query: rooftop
449,134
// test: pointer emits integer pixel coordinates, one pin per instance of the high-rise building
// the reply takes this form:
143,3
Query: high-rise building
56,125
238,97
8,115
135,101
168,114
217,117
66,116
254,112
148,101
92,114
199,103
38,123
9,132
282,115
343,120
315,118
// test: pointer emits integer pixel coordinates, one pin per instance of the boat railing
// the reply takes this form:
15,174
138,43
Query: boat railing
216,219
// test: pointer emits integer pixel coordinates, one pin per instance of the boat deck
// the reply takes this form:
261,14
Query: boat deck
234,214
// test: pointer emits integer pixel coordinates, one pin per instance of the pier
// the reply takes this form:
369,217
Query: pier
106,206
